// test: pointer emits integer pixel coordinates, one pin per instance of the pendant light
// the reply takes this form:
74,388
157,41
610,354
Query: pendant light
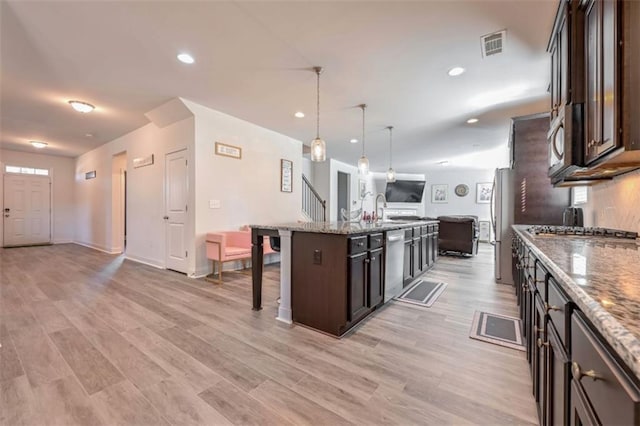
363,162
391,174
318,147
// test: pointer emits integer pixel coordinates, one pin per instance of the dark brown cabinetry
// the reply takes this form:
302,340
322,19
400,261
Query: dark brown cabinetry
611,393
420,251
602,57
357,284
595,61
337,280
577,378
364,283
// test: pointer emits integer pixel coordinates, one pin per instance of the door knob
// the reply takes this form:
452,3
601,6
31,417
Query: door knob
7,209
166,217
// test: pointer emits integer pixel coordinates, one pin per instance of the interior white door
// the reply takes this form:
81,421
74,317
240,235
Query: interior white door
27,210
176,218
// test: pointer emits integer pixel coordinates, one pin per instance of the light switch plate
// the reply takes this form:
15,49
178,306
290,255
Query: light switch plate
214,204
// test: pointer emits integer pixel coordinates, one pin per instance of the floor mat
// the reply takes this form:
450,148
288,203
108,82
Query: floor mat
497,329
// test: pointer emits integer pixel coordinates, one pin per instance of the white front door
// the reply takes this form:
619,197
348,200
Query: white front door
27,210
176,220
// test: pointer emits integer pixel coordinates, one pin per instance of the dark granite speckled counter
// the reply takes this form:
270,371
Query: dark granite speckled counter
602,276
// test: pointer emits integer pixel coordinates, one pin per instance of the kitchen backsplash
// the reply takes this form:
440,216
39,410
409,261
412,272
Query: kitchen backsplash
615,204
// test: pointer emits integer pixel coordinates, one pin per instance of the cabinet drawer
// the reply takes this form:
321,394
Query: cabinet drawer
376,241
357,244
408,234
558,309
424,230
416,232
541,280
614,397
530,265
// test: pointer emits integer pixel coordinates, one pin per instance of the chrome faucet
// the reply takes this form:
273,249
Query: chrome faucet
384,204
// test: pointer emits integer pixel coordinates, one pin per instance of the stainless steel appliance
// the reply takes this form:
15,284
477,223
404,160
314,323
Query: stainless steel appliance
573,216
502,202
394,263
580,231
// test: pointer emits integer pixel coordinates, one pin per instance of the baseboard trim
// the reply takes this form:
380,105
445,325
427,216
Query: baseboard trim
96,247
144,261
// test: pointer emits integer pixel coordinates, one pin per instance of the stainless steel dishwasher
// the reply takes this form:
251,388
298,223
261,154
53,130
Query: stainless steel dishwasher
394,264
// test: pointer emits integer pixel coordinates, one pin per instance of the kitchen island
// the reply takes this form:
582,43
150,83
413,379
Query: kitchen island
579,302
332,274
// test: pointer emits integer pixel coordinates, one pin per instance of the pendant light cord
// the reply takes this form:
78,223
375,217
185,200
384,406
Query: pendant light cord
363,106
318,71
390,146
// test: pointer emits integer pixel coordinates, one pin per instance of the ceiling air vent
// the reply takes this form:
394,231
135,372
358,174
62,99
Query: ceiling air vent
493,43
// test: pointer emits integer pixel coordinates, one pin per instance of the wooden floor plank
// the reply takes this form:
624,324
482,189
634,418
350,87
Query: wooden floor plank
238,407
122,404
10,366
18,405
94,371
38,356
65,403
149,346
182,406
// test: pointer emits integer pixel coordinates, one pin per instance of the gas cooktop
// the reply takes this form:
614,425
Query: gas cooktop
577,230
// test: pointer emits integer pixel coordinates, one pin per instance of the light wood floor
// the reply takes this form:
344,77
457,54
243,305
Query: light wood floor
88,338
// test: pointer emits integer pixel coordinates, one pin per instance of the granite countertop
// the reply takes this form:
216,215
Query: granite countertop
602,276
345,228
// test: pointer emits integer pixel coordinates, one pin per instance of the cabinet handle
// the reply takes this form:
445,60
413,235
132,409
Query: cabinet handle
360,244
541,343
367,261
578,373
548,307
555,108
373,258
592,143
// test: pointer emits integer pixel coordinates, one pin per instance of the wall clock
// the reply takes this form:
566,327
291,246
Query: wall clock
462,190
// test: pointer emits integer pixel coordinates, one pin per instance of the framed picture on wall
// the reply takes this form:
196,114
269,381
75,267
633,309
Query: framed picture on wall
286,175
440,193
483,192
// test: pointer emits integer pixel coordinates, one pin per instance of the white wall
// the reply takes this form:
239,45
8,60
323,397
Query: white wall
307,169
145,191
61,170
458,205
615,204
248,188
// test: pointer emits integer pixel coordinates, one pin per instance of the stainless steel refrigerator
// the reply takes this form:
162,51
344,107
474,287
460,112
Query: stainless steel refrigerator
523,194
502,207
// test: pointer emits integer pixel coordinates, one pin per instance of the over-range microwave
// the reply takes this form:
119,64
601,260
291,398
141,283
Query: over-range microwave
565,142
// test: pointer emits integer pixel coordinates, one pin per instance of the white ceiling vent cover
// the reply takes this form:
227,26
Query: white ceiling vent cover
493,43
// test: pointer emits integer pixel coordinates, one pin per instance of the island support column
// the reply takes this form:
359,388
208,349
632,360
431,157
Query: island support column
284,310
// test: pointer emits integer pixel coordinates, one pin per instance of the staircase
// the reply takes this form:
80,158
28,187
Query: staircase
313,206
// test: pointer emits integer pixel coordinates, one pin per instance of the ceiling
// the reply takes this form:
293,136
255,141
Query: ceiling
254,60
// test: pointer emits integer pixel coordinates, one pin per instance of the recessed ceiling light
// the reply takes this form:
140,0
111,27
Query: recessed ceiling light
81,106
354,141
455,71
185,58
472,120
299,114
38,144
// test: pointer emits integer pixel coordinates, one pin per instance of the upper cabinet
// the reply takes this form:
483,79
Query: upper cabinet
603,131
594,84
